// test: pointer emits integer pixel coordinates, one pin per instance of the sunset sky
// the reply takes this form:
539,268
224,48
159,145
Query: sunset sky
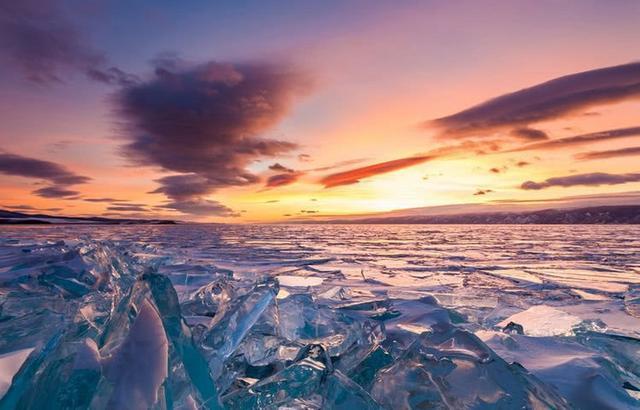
239,111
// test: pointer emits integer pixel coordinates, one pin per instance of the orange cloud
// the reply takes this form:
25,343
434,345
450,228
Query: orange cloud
353,176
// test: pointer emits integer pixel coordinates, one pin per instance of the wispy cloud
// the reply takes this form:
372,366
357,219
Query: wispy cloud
553,99
37,38
58,176
529,134
591,179
581,139
127,208
615,153
282,179
354,176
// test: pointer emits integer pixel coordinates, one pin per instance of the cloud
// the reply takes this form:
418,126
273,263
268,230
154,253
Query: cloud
495,170
521,164
553,99
31,208
581,139
353,176
282,179
592,179
201,207
529,134
304,158
623,152
55,192
37,38
127,208
339,164
109,200
482,192
280,168
57,175
207,124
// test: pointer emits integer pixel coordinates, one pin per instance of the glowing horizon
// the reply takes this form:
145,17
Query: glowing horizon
228,113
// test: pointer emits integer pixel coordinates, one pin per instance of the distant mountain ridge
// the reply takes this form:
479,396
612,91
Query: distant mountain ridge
617,214
19,218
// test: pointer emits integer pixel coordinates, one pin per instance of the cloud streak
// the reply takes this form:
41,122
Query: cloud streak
581,139
354,176
592,179
58,176
623,152
207,124
283,179
553,99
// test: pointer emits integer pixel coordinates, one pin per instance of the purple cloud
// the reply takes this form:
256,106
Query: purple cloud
553,99
206,123
623,152
282,179
37,38
529,134
592,179
581,139
57,175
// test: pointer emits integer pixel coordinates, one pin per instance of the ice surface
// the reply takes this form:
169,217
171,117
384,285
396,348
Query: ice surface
319,317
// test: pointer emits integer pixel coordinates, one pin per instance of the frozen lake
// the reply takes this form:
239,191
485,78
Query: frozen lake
562,301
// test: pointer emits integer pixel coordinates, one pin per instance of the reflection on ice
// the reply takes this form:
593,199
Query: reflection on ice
318,317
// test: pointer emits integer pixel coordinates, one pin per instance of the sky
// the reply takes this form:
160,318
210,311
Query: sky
265,111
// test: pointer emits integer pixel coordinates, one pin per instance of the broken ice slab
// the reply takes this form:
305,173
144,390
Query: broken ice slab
189,379
309,380
451,368
632,301
304,320
228,330
210,300
301,379
580,373
542,320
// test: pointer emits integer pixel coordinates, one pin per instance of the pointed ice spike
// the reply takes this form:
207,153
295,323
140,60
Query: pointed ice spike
182,345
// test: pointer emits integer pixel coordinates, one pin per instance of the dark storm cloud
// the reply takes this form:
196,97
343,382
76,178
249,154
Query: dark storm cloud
282,179
623,152
581,139
553,99
592,179
529,134
206,123
57,175
38,39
